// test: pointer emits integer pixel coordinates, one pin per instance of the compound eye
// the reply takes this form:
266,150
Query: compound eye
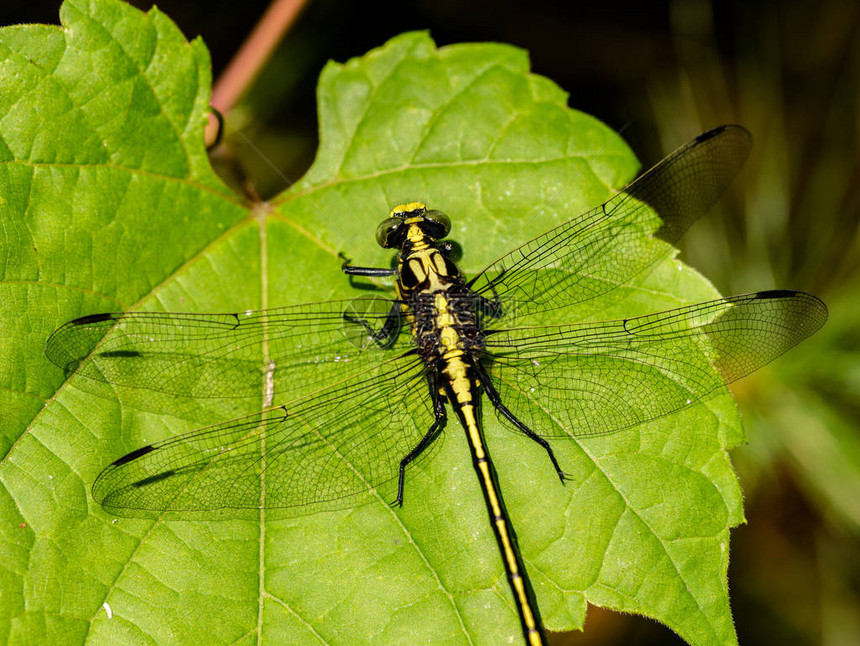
388,233
436,224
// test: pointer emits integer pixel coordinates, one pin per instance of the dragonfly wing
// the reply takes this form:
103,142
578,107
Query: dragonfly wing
323,451
223,355
610,244
596,378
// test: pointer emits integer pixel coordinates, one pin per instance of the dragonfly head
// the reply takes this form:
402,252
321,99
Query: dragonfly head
391,232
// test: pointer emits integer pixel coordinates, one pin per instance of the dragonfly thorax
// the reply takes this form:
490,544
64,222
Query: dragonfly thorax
423,265
441,307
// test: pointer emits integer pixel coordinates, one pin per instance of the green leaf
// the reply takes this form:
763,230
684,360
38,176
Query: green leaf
107,202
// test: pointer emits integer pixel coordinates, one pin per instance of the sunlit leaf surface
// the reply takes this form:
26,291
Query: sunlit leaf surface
108,203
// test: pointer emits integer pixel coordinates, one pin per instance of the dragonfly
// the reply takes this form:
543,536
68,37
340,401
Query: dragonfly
380,375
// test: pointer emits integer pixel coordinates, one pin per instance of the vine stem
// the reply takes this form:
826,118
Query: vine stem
252,56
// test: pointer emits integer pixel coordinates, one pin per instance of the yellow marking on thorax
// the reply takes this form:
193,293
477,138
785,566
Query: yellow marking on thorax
424,261
439,263
417,267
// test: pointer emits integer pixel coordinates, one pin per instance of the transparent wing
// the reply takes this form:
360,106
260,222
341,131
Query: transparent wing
322,451
227,355
596,378
608,245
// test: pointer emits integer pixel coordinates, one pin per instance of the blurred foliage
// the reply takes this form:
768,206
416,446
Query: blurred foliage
792,78
659,73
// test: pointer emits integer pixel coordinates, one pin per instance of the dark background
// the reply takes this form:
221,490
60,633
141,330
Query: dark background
662,72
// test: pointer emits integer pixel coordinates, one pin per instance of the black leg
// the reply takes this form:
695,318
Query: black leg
372,272
385,335
427,440
368,271
495,400
364,271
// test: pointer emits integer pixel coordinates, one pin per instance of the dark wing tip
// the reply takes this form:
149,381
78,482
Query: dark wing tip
739,131
734,138
94,318
776,293
58,353
134,455
761,327
113,487
814,307
70,343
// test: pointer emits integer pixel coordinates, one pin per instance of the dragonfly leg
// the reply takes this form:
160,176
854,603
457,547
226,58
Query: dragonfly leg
427,440
385,335
372,272
496,401
351,270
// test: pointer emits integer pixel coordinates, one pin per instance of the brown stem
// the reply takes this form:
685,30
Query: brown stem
252,56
